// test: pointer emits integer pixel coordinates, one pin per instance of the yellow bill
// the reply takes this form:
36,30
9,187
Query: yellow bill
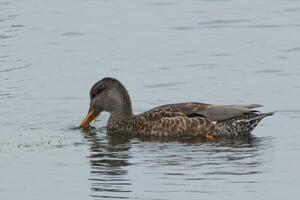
91,116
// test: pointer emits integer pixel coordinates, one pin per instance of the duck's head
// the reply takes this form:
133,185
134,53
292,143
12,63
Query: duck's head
108,95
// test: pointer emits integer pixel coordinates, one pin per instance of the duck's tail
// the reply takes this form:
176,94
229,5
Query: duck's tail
241,125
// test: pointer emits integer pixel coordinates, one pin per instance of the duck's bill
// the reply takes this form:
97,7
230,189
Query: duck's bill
91,116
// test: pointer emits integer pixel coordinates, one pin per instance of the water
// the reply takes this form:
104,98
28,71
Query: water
221,52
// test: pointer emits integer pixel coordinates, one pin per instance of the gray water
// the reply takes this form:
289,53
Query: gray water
214,51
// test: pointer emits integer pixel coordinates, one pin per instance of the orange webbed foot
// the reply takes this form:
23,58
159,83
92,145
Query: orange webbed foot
209,137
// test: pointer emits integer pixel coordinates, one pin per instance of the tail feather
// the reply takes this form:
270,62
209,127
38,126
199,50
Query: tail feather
268,114
241,125
249,106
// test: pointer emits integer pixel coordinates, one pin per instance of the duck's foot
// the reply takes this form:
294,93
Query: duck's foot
209,137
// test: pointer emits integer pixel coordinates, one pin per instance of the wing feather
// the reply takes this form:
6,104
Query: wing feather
194,109
179,126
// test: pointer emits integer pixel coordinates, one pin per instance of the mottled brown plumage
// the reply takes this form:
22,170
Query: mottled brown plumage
181,119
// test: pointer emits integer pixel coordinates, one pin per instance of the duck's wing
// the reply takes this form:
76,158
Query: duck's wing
194,109
223,112
173,120
176,125
172,110
182,126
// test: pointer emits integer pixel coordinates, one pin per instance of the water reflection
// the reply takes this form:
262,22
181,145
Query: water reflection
178,162
108,159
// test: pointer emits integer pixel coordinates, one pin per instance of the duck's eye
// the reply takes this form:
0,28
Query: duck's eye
96,91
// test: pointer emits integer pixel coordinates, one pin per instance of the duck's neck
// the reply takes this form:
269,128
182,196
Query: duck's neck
122,113
122,109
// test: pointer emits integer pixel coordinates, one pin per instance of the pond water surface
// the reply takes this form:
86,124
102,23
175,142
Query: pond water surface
214,51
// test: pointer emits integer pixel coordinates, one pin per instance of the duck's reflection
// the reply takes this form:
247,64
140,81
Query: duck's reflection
193,159
108,159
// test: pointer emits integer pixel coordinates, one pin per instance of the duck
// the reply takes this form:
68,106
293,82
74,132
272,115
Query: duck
172,120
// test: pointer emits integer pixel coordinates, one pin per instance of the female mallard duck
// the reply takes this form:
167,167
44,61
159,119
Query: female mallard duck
181,119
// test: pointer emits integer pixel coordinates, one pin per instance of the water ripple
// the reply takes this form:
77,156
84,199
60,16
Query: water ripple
164,85
268,71
162,4
14,68
224,21
72,34
6,96
292,49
